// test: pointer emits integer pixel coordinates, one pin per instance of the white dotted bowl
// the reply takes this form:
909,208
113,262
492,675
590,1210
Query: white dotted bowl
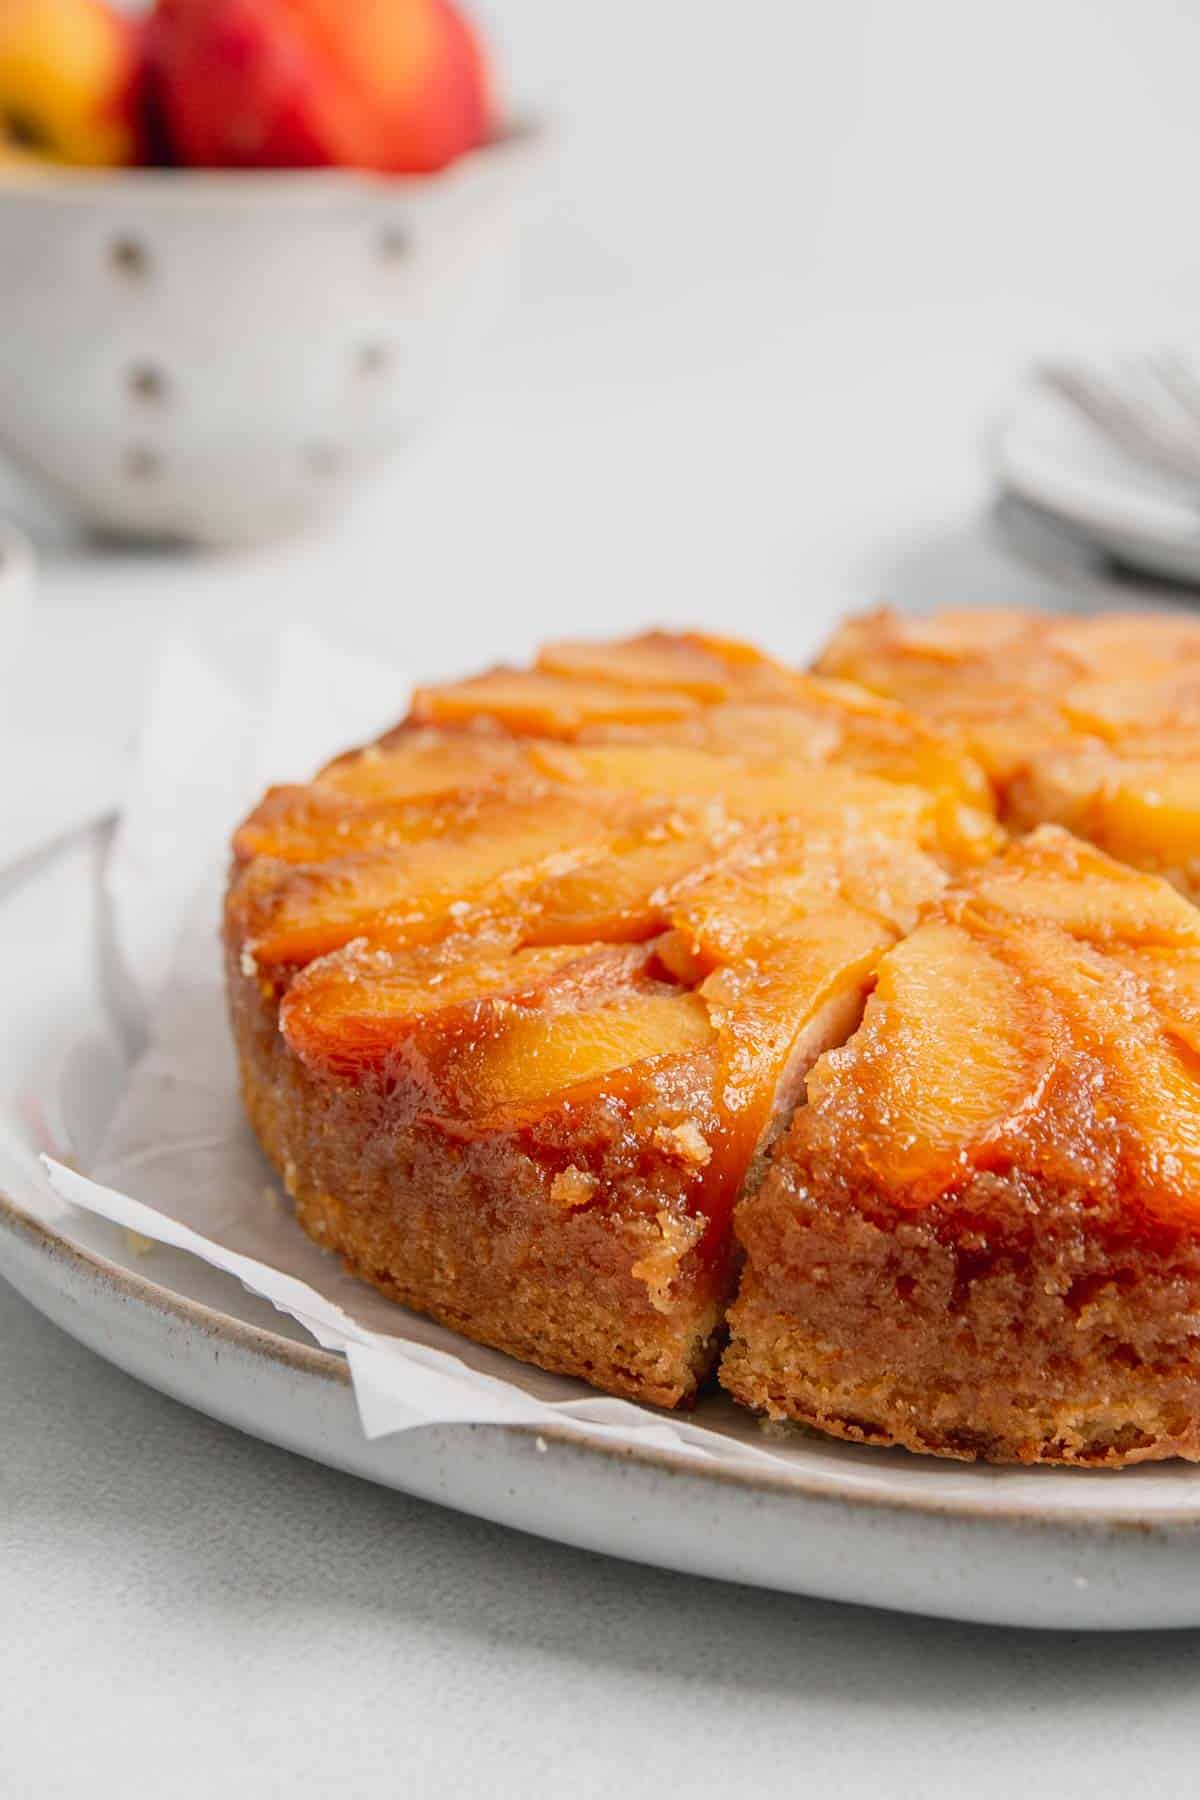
211,357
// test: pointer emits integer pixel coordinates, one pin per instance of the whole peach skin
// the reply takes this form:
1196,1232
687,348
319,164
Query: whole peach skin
391,85
70,83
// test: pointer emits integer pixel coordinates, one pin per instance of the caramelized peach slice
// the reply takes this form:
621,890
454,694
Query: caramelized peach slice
412,764
811,734
281,913
1010,736
1054,878
296,824
1049,1009
1140,801
833,801
1110,708
536,1055
747,787
491,1028
956,632
535,703
880,737
889,879
1162,741
313,824
1171,978
479,855
828,721
1038,699
784,933
1149,1071
818,720
776,1015
951,660
622,896
1158,1078
1127,645
997,678
771,880
656,772
708,669
1149,813
736,911
353,1010
948,1055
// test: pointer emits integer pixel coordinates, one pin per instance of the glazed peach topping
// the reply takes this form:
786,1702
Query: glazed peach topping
1092,723
1044,1016
630,862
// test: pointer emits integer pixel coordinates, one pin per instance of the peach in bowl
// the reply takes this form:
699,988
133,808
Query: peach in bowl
246,249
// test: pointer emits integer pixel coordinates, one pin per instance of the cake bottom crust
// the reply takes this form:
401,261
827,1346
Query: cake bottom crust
1029,1332
466,1233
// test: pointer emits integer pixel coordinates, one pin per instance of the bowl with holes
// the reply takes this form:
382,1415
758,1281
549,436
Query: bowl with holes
214,357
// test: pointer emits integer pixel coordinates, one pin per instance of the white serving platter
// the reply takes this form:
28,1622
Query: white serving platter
1051,1548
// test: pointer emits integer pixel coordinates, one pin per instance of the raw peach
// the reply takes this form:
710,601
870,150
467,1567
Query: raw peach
70,83
394,85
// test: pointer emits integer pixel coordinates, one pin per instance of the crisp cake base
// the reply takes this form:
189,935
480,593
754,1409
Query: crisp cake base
1017,1326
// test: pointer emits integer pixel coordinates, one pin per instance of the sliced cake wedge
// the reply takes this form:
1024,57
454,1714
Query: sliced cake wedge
981,1236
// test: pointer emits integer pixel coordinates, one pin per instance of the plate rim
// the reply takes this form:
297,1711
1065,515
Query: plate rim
311,1360
1117,531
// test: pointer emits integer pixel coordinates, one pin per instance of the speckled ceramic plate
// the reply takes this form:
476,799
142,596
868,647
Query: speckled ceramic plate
1055,1548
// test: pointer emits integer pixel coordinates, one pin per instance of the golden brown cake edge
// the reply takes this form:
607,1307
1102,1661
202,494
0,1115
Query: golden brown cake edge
883,1327
467,1233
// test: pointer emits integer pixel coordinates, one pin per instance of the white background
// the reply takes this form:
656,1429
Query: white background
783,260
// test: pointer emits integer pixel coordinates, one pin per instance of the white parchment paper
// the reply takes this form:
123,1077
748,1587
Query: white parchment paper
179,1164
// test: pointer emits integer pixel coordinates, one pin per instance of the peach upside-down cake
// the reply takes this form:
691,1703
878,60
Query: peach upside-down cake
659,999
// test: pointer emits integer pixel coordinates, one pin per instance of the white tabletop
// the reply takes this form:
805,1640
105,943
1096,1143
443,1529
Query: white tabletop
784,260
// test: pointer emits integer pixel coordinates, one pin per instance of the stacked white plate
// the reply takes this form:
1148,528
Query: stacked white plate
1110,450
